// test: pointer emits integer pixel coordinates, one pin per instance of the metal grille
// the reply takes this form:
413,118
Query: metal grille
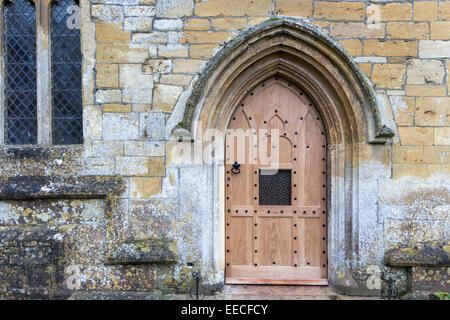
20,72
67,107
275,187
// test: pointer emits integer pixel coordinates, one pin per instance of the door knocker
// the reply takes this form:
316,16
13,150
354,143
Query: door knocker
236,168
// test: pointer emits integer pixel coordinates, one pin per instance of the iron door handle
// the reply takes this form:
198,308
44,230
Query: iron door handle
236,169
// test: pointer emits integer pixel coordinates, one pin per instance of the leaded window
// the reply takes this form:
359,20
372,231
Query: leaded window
66,76
42,102
20,98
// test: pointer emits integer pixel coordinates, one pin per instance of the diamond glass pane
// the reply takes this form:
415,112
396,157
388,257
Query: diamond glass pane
275,187
66,73
19,24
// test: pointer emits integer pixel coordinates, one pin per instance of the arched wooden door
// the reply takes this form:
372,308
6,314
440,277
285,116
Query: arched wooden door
276,219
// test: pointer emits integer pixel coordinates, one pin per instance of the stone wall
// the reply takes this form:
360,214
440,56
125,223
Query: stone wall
142,59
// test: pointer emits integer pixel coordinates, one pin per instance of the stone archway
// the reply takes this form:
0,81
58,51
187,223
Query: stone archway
345,99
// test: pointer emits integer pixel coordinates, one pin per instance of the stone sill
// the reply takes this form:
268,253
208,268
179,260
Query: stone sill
40,187
420,255
37,151
133,252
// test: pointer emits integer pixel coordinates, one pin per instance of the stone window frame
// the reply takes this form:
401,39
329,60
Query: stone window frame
43,75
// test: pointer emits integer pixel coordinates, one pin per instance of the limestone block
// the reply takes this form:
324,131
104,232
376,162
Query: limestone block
203,50
168,24
403,109
352,46
157,167
157,66
389,75
120,126
138,24
132,166
121,53
425,11
145,187
108,96
116,107
416,135
152,37
111,32
434,49
342,10
299,8
235,8
139,11
425,71
206,36
407,154
440,30
187,65
197,24
173,51
390,48
390,11
174,8
425,90
144,148
442,136
407,30
166,97
131,76
444,10
357,30
138,95
107,75
103,12
154,125
432,111
229,23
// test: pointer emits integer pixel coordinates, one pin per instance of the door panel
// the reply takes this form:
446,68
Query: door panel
276,219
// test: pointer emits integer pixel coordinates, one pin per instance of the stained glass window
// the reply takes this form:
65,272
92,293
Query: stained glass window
66,73
19,41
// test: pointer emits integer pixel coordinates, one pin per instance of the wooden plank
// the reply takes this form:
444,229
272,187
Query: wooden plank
274,273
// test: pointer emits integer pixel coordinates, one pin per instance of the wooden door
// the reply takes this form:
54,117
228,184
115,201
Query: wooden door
276,219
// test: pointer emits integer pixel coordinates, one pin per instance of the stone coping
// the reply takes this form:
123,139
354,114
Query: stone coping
419,255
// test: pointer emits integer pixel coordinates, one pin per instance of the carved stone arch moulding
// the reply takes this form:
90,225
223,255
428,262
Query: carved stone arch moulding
302,53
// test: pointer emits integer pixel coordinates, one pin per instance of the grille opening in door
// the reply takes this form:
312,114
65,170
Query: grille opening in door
275,187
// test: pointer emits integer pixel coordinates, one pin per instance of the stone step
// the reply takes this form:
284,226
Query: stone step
278,290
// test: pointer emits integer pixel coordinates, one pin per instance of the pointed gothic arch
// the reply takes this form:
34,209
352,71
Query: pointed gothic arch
301,53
